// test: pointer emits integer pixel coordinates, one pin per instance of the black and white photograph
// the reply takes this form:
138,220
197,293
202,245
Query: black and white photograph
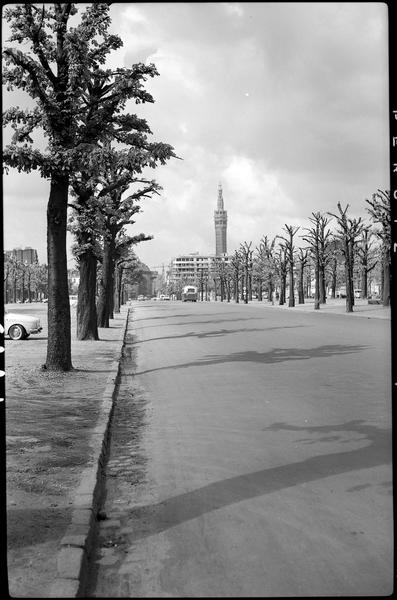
197,332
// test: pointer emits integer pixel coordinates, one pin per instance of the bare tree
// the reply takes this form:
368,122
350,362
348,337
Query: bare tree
317,238
380,211
289,254
281,270
349,231
246,256
303,259
236,266
367,259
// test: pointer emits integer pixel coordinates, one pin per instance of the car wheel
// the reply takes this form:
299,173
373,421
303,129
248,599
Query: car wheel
16,332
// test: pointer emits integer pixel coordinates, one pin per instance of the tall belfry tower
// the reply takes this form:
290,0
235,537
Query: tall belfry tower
220,218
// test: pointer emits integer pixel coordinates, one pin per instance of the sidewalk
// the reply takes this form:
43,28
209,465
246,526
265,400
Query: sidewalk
56,424
337,306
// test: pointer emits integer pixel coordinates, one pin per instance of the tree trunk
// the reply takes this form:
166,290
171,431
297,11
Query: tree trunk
386,283
105,303
333,284
270,291
349,299
317,285
291,299
301,295
87,328
59,335
364,282
236,290
323,295
117,289
282,291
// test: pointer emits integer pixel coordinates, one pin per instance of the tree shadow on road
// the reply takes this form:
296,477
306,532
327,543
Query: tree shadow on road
217,333
156,518
274,356
196,322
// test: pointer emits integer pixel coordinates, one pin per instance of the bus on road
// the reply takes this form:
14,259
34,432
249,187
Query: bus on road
189,293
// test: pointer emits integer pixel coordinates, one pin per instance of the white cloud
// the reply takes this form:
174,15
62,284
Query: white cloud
285,103
233,8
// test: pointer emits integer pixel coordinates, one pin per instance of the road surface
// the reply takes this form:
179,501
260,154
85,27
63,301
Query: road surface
251,456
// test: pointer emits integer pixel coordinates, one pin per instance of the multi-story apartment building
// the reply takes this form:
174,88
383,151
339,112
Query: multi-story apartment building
24,255
191,268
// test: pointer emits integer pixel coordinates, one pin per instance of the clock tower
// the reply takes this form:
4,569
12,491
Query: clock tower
220,219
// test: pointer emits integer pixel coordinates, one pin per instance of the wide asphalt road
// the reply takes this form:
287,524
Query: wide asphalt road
251,456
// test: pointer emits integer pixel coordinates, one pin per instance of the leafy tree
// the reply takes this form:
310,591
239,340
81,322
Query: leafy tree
61,68
117,212
349,232
126,260
107,171
379,208
54,70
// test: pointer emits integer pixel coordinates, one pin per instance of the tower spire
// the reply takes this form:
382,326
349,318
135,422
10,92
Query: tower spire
220,219
220,197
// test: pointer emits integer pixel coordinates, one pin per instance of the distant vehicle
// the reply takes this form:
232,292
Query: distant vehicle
154,297
45,300
341,293
357,293
189,293
19,326
164,297
73,300
141,297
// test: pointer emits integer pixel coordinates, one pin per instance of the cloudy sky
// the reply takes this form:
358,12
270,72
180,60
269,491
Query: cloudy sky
284,104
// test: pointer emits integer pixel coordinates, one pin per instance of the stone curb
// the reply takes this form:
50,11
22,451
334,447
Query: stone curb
77,543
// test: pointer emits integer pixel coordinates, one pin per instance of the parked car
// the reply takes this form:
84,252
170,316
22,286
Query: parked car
141,297
45,300
164,297
19,326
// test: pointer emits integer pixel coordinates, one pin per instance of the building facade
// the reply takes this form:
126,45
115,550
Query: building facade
192,268
196,268
220,219
26,255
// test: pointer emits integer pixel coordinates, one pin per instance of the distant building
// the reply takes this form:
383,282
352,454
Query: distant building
190,268
220,219
193,268
25,255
